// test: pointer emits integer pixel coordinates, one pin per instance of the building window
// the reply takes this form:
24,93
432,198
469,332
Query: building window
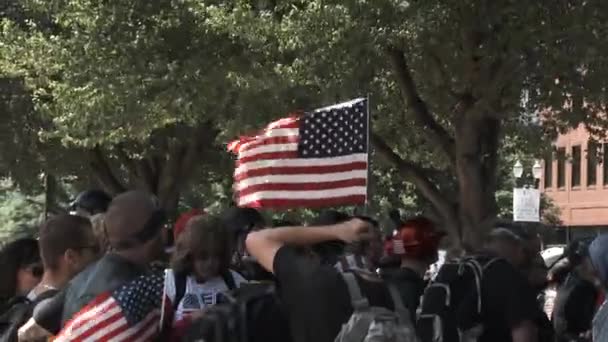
548,172
561,167
575,179
591,163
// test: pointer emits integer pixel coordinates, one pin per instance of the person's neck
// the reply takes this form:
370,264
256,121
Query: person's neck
52,280
414,265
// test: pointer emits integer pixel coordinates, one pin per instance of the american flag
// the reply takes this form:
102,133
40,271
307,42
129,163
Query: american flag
312,160
130,313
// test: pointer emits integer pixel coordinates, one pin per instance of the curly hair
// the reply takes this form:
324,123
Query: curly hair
203,237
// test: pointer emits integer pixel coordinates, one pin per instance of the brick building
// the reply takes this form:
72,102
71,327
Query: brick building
577,181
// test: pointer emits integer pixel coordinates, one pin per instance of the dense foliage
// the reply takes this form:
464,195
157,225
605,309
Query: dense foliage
135,93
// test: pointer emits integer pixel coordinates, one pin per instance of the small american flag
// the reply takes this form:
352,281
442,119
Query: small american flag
313,160
130,313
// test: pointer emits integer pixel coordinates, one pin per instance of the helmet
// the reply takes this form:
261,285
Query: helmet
92,201
417,238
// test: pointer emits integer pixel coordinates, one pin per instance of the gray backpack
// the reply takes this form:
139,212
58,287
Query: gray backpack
375,324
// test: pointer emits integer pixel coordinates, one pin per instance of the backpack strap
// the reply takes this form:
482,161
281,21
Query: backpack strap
478,266
357,300
228,278
180,288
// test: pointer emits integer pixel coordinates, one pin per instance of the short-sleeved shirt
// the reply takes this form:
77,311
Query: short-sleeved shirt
507,301
197,296
316,296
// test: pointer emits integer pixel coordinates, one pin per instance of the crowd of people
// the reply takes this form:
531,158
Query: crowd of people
112,271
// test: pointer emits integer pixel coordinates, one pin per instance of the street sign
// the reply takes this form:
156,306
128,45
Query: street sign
526,205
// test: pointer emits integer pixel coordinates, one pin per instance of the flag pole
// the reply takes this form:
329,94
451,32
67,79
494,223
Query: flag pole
366,208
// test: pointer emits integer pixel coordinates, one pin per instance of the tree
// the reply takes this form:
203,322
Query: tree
19,214
451,84
448,82
138,92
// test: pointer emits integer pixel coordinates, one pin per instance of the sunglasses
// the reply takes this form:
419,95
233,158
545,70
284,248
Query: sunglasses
92,247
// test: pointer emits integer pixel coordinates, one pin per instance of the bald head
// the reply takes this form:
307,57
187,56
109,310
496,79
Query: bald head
128,215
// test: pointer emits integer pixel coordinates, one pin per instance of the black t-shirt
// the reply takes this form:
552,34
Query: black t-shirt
409,284
575,306
316,297
507,300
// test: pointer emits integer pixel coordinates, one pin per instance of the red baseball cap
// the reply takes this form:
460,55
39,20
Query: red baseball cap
417,238
182,221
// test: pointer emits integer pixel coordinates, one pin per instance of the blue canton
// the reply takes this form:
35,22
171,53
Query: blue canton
140,296
334,132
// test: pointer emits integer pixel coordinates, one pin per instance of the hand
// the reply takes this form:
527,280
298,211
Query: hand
354,230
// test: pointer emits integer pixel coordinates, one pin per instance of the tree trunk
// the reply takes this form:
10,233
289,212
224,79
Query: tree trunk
471,151
476,148
164,172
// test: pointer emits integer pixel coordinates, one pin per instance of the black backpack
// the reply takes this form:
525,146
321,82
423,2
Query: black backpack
18,312
251,313
450,310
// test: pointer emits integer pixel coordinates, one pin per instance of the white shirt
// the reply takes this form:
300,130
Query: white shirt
197,296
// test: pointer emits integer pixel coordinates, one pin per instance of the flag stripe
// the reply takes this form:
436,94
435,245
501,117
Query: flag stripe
290,123
275,133
274,148
320,158
310,178
304,195
260,164
284,123
90,311
96,322
300,170
108,328
305,203
150,329
269,156
303,186
135,332
270,141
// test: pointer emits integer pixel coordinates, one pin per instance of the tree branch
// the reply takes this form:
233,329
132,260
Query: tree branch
445,79
103,172
416,175
423,116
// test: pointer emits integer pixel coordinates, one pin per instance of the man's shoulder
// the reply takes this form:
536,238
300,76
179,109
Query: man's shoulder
292,261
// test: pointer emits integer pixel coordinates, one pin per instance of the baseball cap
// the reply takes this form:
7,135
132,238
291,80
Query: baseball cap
93,201
416,238
183,219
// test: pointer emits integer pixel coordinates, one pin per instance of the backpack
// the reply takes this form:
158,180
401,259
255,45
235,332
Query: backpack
450,309
19,311
251,313
375,324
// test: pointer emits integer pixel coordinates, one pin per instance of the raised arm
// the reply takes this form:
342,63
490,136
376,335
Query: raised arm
264,244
